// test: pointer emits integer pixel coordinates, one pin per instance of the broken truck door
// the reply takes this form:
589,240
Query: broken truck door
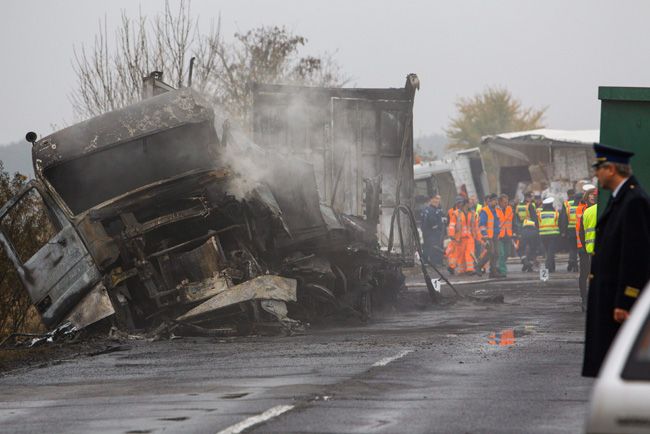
58,271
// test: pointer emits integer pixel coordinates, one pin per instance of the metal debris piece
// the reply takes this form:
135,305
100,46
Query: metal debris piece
65,331
95,306
109,349
260,288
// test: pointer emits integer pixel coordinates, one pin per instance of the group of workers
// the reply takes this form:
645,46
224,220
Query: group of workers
483,236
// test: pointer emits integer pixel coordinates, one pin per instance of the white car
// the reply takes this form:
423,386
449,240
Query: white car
620,402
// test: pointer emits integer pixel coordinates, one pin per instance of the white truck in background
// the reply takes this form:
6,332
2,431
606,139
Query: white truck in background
457,171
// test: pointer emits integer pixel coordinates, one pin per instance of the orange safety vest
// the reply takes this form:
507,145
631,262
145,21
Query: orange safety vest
461,225
489,228
476,233
579,211
505,221
451,228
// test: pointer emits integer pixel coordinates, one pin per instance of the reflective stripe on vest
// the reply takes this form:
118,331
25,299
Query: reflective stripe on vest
571,213
528,223
460,225
453,217
548,223
466,224
505,222
581,209
522,212
589,218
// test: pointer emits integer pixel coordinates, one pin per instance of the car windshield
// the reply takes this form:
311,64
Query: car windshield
96,177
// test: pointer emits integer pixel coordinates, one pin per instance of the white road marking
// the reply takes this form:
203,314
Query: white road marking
254,420
386,360
279,409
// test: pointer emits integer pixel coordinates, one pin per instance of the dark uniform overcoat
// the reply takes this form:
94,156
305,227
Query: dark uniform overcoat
433,230
620,268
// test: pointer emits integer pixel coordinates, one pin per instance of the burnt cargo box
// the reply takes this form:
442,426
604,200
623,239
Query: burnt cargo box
349,135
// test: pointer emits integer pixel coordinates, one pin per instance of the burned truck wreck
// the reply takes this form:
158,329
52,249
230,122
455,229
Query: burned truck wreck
154,216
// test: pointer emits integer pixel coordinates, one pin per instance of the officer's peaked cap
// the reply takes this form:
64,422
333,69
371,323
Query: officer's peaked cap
609,154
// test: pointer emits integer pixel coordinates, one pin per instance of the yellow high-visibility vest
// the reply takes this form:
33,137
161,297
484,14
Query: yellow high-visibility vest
522,211
528,223
589,218
571,209
548,223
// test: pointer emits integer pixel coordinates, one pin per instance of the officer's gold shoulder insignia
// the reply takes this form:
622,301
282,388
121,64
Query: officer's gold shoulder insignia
631,292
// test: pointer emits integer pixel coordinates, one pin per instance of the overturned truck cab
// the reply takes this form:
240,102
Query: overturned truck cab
152,217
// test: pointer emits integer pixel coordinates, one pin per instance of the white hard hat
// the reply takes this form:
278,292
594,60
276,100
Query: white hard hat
588,187
548,200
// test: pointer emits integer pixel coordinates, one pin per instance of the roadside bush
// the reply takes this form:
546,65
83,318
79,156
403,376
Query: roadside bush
28,227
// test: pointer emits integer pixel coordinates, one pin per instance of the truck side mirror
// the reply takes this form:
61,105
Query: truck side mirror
31,137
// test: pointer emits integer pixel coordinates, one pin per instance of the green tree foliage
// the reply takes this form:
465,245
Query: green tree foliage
492,112
28,227
111,77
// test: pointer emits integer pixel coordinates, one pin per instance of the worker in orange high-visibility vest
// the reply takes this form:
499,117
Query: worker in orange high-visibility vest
452,230
505,215
461,245
489,228
465,233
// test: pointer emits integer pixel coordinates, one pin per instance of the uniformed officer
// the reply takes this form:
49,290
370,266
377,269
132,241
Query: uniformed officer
528,237
549,231
526,210
585,237
570,208
620,266
433,230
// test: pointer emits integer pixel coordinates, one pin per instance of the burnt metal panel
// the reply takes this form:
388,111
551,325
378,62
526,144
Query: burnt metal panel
268,287
161,112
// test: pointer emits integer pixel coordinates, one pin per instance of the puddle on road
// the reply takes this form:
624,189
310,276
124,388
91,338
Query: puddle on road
508,337
174,419
234,395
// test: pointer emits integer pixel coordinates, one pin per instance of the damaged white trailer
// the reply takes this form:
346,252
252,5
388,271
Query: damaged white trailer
543,159
457,171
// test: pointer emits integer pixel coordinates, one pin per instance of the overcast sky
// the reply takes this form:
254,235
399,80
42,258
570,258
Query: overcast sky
548,53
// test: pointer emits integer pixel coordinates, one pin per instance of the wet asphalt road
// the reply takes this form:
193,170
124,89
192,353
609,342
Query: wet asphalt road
465,367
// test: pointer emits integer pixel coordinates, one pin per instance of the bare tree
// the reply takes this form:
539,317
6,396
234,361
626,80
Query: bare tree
266,55
109,78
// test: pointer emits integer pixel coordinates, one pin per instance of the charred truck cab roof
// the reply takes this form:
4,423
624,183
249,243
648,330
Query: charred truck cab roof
80,154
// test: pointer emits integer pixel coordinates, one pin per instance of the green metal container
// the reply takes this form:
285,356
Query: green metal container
625,124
